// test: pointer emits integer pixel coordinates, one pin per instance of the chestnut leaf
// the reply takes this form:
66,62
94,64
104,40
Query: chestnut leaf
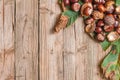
111,64
105,45
117,2
71,15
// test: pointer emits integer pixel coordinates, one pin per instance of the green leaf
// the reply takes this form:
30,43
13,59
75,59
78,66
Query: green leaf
111,64
117,2
105,45
71,15
117,44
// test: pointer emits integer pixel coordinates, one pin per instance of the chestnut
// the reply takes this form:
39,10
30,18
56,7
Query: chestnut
86,9
118,17
75,7
97,14
109,2
66,2
100,23
74,1
112,36
116,24
110,6
90,27
110,9
101,8
108,28
87,1
89,20
109,19
118,30
98,29
100,37
95,6
115,16
99,1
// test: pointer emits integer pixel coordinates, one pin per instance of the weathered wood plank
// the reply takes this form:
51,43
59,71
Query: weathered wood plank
88,55
81,55
54,44
51,45
43,53
6,40
26,37
69,53
81,50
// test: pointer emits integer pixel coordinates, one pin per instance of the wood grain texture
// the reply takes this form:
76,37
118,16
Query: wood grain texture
26,38
29,50
7,40
79,56
51,45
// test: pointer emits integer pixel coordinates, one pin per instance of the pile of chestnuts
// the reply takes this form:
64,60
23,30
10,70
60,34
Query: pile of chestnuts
101,17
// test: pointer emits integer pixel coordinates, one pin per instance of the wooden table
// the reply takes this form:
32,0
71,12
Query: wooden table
30,51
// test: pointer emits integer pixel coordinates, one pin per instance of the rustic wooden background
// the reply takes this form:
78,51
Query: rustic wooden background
30,51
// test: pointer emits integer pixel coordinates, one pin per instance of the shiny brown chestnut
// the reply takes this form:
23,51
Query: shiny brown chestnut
74,1
75,7
116,24
118,30
100,37
90,27
109,19
108,28
101,8
112,36
86,9
97,14
110,9
66,2
98,29
99,1
86,1
110,6
100,23
89,20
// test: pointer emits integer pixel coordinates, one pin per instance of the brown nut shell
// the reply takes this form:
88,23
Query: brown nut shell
86,1
108,28
118,30
75,7
89,20
90,27
97,15
110,6
99,1
86,9
100,37
112,36
110,2
101,8
100,23
109,19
